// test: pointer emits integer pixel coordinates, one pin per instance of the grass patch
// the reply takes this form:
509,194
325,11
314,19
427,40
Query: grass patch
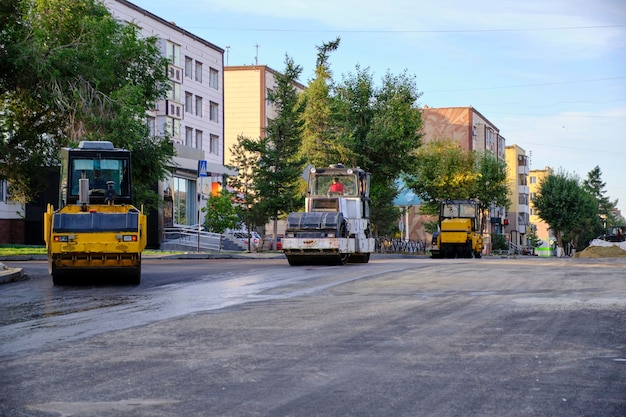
15,250
10,250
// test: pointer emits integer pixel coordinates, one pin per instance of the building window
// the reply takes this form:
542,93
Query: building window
174,92
188,137
214,78
523,199
173,53
188,67
199,139
214,112
215,145
152,126
198,106
522,179
172,128
533,180
184,204
188,102
199,71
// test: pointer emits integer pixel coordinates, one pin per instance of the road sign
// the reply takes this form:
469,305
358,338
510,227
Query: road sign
202,168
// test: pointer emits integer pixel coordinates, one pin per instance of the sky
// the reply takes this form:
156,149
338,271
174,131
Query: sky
550,75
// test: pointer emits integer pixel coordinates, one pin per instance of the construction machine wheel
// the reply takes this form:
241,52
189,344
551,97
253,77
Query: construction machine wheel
341,259
294,260
360,258
59,277
134,275
467,249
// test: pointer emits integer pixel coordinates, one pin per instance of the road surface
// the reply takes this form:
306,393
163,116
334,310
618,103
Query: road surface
395,337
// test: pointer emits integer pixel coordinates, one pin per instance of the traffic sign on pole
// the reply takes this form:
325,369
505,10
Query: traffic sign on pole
202,168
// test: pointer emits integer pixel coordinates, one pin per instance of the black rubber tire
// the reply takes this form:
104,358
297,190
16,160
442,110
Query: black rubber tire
59,277
134,275
294,261
467,250
361,258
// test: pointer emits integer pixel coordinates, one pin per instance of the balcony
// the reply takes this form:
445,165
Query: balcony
175,73
523,170
170,108
523,189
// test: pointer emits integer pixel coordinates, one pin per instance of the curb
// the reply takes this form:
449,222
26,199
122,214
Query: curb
11,274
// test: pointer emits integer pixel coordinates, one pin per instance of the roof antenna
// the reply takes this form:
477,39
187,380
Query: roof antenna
256,57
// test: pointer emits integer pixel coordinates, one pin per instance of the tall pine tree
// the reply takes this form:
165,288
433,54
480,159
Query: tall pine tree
277,175
606,208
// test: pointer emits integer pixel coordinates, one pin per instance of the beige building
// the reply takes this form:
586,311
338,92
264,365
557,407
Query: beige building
517,218
247,110
536,176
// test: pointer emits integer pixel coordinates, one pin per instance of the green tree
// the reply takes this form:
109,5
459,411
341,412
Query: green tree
372,121
70,72
321,145
442,171
606,208
220,214
491,187
244,160
278,169
566,207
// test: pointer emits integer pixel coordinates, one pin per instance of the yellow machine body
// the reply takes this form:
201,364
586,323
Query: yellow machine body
95,229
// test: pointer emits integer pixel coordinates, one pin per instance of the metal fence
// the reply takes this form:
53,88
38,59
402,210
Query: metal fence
189,237
388,245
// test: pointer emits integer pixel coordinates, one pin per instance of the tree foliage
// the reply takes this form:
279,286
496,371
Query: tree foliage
566,207
244,161
71,72
442,170
220,213
596,187
360,124
321,144
491,188
274,186
381,126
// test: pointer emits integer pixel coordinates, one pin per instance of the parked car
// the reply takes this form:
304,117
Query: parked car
269,243
255,239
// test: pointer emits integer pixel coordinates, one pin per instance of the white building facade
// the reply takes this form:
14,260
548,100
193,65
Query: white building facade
192,115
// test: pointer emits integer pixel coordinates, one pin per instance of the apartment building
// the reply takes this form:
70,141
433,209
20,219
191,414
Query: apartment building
465,125
192,114
517,221
536,176
248,111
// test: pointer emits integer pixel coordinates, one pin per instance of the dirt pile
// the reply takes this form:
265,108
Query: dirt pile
612,251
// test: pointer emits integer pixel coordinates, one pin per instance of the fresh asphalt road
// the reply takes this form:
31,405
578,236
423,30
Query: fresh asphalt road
256,337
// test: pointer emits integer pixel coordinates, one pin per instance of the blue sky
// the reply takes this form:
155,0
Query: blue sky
551,75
